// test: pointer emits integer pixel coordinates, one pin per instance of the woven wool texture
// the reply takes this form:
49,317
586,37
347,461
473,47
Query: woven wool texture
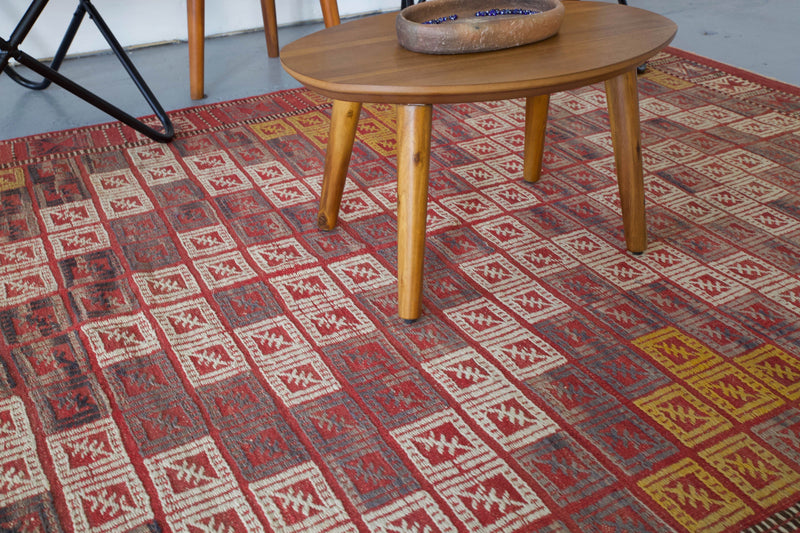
183,350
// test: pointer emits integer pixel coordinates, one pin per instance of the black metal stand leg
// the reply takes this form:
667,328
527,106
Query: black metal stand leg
61,53
8,49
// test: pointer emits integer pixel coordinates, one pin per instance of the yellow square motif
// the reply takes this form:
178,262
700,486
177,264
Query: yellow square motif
377,136
666,80
316,98
386,113
12,178
754,469
315,125
312,121
370,127
735,392
776,368
694,497
387,147
272,129
677,352
683,415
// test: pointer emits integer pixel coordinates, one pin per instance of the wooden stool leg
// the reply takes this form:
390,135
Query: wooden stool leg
623,113
330,12
536,108
195,16
344,120
413,164
270,26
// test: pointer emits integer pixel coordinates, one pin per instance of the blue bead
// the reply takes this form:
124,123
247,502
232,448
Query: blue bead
441,19
498,12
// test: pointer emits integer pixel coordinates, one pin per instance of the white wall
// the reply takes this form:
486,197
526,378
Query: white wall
136,22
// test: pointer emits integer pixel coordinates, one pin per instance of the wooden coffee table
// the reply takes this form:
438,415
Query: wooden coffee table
360,61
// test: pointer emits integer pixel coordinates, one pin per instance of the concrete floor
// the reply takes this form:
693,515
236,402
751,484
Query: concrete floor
757,35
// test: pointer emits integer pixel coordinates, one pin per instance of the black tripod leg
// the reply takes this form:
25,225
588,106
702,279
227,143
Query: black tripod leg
8,49
129,67
103,105
61,53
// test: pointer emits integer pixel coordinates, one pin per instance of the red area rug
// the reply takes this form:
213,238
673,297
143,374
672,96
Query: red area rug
182,349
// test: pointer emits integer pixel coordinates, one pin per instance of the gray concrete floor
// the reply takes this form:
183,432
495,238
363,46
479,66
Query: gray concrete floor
757,35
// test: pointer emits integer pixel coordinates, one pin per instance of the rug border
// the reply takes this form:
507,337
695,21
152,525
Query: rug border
755,77
176,111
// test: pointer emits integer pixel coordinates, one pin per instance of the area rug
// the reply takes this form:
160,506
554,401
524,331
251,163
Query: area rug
183,350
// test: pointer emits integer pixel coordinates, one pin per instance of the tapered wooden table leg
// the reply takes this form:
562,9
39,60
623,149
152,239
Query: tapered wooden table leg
623,112
344,120
413,164
536,108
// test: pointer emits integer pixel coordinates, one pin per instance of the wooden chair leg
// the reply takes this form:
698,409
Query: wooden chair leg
270,26
330,12
536,108
195,16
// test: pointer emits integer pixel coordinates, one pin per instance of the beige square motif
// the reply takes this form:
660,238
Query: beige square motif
22,254
224,270
69,215
166,285
210,240
300,500
121,338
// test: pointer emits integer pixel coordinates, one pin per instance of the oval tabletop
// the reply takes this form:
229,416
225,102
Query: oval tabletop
361,60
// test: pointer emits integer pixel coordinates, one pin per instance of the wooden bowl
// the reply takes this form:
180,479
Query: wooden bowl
470,33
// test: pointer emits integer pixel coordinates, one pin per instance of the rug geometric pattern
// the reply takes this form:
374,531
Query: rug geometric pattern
183,350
